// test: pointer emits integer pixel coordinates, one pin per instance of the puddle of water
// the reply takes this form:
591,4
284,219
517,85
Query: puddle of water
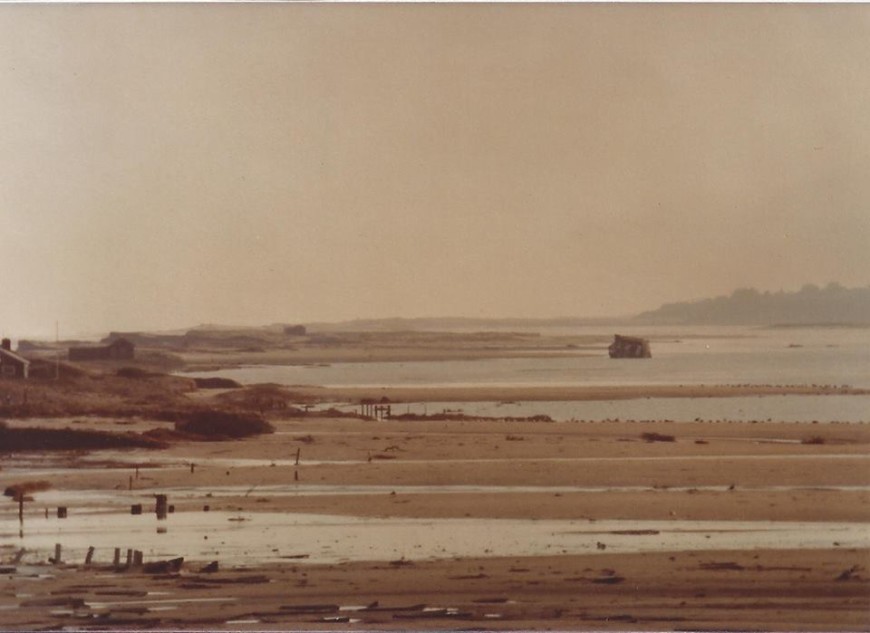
168,462
791,408
242,463
206,536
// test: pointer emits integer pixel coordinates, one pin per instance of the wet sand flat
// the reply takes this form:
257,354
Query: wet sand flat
579,393
578,472
765,589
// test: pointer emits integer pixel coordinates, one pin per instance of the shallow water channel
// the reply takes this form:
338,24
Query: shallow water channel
790,408
267,537
39,465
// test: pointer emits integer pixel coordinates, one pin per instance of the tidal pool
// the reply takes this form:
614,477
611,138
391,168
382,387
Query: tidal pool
144,459
264,537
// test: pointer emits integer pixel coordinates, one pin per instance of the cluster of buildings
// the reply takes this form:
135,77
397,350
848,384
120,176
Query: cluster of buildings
119,349
13,365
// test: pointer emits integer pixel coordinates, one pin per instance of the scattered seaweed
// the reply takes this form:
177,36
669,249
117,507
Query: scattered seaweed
657,437
213,424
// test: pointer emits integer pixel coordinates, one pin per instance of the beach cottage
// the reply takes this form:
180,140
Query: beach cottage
11,364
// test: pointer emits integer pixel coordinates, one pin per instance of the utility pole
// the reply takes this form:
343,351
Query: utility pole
56,351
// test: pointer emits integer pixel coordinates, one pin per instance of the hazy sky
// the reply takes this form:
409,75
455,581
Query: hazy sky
168,165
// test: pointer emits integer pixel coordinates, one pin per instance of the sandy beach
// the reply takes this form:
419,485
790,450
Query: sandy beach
434,316
445,520
531,471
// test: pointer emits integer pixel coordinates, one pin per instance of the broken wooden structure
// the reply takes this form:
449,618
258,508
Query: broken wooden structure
629,347
375,409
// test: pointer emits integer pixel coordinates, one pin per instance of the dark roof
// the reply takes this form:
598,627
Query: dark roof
13,356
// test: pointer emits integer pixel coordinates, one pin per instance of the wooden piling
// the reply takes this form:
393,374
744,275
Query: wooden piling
162,506
57,554
116,560
298,450
130,483
21,507
192,467
129,558
89,556
295,475
136,508
61,512
137,558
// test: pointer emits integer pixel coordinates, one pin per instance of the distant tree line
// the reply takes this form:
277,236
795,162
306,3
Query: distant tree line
811,305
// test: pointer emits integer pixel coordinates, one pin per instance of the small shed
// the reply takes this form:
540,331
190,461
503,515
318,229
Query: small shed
11,364
119,349
629,347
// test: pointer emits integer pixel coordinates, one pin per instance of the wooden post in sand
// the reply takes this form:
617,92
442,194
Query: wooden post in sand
137,558
21,507
130,483
61,512
162,506
116,560
298,451
57,552
89,556
129,558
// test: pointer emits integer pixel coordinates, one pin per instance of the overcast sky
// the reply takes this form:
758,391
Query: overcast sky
168,165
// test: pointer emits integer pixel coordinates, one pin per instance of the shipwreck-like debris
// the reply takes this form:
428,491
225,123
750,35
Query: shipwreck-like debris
629,347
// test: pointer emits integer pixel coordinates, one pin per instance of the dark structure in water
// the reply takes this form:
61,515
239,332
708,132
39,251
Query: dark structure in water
629,347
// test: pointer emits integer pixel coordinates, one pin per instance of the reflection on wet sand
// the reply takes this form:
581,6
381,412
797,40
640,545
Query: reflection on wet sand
264,537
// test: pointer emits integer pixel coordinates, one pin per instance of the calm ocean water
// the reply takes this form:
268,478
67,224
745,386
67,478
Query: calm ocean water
698,355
